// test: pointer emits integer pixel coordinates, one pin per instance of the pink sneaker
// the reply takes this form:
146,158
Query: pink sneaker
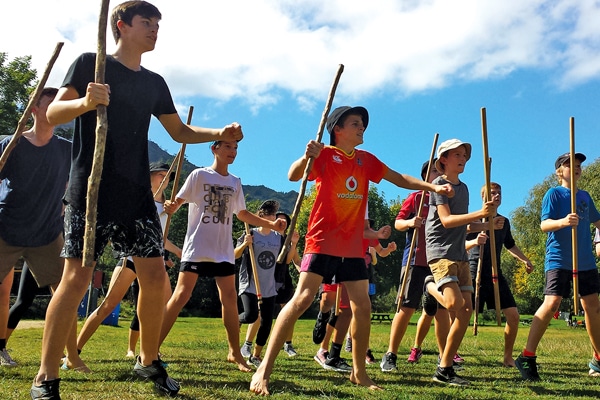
415,355
458,359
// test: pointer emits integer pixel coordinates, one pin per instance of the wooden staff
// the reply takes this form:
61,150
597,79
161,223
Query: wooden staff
491,234
180,158
478,275
32,102
286,245
165,180
338,299
89,237
574,210
401,294
253,264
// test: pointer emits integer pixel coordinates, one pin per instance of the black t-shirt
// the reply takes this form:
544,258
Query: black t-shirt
134,97
33,184
504,238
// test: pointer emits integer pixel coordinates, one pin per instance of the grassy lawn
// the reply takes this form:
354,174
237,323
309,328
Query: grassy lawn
196,351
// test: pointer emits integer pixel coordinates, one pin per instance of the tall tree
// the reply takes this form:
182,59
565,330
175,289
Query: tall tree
17,81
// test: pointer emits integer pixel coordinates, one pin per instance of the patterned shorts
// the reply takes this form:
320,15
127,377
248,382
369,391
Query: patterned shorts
137,238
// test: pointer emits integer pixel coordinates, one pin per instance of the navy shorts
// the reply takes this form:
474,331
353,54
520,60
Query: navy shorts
415,282
137,238
487,298
559,281
343,269
208,269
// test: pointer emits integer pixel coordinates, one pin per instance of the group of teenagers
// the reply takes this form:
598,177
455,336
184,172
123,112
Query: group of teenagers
45,225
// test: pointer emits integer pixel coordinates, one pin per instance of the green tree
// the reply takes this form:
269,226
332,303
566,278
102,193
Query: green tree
17,81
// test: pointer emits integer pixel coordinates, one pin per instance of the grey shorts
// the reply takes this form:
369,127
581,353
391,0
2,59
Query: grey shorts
136,238
44,262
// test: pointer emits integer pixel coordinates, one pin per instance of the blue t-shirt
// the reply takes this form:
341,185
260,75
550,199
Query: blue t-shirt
33,184
556,204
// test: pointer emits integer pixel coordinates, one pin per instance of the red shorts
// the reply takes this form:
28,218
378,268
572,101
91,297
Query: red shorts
344,300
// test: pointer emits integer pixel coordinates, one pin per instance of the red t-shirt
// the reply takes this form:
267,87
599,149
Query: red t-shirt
408,211
337,219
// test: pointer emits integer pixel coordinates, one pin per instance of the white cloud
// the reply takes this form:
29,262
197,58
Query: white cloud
254,49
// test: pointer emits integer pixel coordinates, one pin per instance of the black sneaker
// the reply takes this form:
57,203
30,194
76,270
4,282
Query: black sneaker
48,390
388,362
430,304
157,374
449,377
527,367
320,327
337,364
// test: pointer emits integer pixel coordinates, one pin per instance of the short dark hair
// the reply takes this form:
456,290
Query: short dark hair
129,9
47,91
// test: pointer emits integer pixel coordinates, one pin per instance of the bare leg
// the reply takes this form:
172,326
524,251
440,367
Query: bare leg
398,329
510,335
252,330
60,316
151,276
119,284
591,308
360,328
73,360
540,322
229,314
133,339
442,328
308,285
423,326
181,295
5,286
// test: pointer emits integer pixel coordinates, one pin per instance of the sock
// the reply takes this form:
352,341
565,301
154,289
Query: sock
336,350
2,344
528,353
248,343
288,342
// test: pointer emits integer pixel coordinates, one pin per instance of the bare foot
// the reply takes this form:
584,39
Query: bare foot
259,384
365,381
241,363
75,365
509,363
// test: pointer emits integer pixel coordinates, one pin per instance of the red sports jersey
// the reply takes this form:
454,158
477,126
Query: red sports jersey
337,219
408,211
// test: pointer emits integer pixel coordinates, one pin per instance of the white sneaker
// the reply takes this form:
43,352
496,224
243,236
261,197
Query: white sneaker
6,360
289,349
246,350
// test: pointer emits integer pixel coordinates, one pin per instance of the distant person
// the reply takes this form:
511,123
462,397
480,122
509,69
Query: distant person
558,221
508,305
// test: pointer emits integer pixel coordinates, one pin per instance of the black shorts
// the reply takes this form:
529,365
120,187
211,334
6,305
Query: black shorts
558,282
415,282
137,238
343,269
487,298
208,269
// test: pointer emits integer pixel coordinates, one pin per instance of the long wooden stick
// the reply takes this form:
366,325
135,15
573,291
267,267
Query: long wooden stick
165,180
181,158
477,291
89,237
286,245
32,102
402,293
338,299
253,264
574,210
491,234
478,272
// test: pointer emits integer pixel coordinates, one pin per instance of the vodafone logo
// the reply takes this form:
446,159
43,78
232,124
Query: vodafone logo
351,184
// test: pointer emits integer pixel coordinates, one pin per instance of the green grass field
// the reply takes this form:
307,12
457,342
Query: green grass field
196,351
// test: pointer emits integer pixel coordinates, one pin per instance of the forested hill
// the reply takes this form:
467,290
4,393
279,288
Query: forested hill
286,200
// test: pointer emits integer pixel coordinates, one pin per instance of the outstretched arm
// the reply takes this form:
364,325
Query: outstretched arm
183,133
408,182
516,252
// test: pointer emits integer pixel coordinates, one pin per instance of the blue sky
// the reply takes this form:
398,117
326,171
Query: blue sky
419,67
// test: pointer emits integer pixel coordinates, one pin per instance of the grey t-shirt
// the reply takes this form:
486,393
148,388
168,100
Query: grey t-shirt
266,251
442,242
